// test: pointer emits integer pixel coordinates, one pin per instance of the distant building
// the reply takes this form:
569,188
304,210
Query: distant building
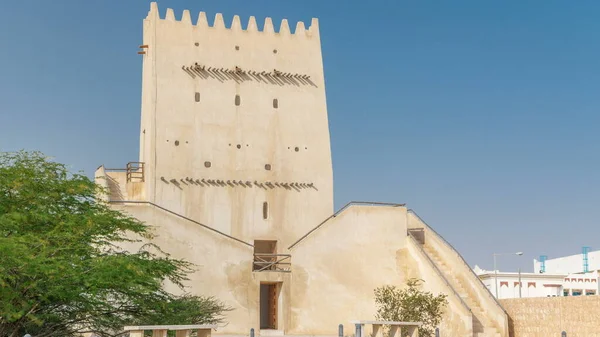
573,264
531,284
515,285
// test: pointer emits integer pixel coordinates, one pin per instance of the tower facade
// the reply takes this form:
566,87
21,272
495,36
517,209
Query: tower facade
234,129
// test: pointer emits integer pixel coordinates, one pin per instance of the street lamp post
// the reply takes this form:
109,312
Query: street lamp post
496,271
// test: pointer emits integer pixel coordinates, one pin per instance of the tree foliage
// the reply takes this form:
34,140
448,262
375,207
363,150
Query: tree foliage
62,271
411,305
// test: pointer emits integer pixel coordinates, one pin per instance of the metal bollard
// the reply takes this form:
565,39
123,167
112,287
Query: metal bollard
340,330
252,332
437,332
563,334
358,330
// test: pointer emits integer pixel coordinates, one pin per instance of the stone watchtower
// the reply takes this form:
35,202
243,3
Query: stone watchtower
234,130
235,177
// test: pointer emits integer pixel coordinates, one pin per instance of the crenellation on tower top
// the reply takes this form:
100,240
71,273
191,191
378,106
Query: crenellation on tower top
300,29
252,27
284,29
219,23
186,17
236,25
170,16
202,20
268,27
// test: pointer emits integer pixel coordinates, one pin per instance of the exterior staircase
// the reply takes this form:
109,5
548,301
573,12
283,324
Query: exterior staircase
489,318
482,326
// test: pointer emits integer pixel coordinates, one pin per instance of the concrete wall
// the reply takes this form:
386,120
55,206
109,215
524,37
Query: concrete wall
180,136
549,316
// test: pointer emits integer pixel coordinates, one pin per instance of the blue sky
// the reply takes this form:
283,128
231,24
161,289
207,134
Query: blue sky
482,116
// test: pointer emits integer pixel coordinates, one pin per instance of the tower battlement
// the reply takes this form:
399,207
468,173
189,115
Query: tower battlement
236,24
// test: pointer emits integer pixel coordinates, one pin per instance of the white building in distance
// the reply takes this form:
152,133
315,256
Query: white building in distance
573,264
541,284
516,285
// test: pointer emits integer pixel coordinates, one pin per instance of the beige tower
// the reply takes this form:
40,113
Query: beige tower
234,130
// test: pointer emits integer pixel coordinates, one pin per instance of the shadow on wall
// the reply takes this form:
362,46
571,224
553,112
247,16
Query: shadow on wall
223,74
511,327
238,183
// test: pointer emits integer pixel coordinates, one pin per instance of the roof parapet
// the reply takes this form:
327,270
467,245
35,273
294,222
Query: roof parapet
236,24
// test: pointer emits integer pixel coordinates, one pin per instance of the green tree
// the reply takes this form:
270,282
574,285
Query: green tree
62,271
411,304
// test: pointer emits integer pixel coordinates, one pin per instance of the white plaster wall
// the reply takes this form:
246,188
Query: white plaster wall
533,285
211,129
569,264
582,282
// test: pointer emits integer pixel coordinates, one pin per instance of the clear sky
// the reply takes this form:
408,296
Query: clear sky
482,116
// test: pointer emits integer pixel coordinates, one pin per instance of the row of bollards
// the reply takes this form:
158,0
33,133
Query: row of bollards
358,332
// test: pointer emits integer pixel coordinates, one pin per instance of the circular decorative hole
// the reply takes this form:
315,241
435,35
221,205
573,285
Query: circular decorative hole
176,143
186,141
246,145
196,44
237,47
274,51
207,164
268,167
288,147
229,144
167,140
239,146
296,149
306,148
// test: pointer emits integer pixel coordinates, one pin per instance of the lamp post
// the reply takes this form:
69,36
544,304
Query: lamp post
496,271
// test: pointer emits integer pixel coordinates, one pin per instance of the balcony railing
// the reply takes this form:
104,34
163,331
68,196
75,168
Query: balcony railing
135,171
272,262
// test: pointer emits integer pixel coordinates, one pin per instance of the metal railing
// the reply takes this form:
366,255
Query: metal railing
135,171
272,262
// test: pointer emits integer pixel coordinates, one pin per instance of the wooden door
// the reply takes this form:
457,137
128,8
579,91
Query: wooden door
273,292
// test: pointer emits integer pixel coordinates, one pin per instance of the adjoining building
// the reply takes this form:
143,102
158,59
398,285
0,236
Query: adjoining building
235,175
